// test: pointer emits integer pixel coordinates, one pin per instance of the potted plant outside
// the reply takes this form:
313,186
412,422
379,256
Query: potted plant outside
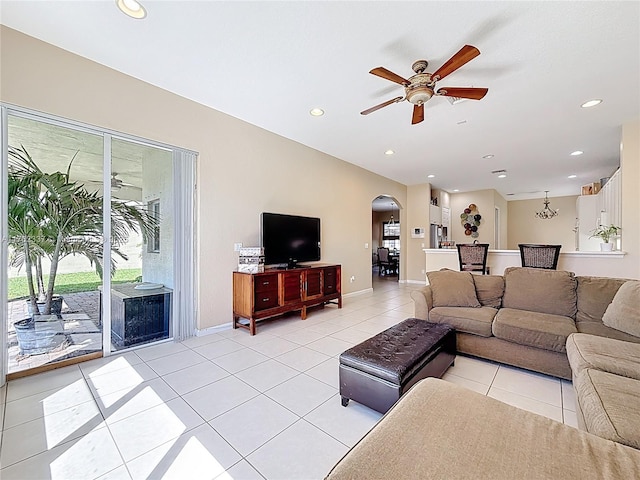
605,233
51,216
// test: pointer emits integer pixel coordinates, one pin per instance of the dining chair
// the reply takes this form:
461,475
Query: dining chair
385,264
539,256
472,257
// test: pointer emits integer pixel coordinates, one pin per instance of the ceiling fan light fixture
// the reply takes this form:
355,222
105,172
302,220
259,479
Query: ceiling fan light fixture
132,8
419,95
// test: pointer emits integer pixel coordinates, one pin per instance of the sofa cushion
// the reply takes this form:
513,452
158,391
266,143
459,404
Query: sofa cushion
609,405
597,328
541,330
540,290
489,290
594,296
439,430
465,319
605,354
623,313
452,289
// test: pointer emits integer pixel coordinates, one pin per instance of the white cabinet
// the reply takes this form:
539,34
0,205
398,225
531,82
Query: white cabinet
435,215
446,217
586,222
609,202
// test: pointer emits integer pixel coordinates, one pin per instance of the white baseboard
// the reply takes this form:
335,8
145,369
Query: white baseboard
359,292
415,282
212,330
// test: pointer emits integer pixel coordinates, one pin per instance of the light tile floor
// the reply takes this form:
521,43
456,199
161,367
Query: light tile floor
227,405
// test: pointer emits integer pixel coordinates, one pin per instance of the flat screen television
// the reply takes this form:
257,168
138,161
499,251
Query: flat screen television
289,239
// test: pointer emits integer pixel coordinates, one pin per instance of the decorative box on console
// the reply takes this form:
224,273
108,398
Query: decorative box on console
251,260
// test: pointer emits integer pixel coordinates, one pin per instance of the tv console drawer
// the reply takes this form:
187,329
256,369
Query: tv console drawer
264,300
266,283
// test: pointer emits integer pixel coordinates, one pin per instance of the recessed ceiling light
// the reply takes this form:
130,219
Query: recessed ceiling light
389,152
576,153
316,112
456,190
572,176
131,8
502,175
488,156
430,176
591,103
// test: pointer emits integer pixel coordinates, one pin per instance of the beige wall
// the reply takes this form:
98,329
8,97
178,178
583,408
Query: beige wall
501,242
242,169
630,168
418,200
524,227
485,200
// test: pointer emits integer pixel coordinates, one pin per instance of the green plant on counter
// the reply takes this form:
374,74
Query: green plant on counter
605,233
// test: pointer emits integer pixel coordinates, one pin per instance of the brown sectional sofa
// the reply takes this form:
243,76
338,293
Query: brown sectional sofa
522,318
439,430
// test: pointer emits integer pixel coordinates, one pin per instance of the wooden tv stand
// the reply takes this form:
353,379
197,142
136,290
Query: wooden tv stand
257,296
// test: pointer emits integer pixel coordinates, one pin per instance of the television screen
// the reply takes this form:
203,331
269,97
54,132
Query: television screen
289,238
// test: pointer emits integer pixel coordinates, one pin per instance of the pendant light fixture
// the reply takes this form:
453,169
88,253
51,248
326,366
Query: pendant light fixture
391,222
546,213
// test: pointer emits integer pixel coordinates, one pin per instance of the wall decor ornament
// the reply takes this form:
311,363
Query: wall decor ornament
470,220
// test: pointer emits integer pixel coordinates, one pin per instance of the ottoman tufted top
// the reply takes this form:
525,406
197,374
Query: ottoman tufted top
391,354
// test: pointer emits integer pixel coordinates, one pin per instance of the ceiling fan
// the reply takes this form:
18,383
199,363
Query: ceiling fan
117,184
420,87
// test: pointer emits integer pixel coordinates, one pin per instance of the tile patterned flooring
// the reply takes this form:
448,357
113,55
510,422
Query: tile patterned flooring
227,406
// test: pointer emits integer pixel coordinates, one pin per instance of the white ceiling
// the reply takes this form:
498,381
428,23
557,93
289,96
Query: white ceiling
269,63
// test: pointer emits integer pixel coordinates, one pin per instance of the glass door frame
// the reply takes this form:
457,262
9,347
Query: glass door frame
184,196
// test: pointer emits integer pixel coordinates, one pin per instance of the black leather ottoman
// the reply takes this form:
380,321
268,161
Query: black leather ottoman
379,370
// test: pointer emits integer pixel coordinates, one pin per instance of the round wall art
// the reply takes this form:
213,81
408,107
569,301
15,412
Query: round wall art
470,219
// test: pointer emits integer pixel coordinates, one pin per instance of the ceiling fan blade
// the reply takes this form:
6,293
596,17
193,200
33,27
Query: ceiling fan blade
389,75
418,114
464,55
378,107
462,92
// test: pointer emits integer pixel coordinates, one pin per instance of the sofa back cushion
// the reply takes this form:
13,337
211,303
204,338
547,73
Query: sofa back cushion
450,288
594,296
624,311
540,290
489,290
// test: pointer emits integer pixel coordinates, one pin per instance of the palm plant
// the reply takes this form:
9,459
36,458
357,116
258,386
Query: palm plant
52,216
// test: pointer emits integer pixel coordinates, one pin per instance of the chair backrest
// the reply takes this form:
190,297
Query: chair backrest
473,257
539,256
383,254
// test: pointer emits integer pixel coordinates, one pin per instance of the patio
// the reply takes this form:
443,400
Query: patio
74,332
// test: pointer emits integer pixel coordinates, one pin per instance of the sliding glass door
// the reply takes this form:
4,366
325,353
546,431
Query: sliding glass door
55,243
142,178
90,257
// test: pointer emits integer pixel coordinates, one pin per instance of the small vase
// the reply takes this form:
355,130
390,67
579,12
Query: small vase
606,247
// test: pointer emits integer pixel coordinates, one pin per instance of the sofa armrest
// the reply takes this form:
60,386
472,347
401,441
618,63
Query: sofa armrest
422,302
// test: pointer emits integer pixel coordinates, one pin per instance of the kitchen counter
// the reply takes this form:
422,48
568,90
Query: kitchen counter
604,264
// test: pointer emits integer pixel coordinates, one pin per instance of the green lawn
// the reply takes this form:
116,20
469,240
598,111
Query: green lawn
73,282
